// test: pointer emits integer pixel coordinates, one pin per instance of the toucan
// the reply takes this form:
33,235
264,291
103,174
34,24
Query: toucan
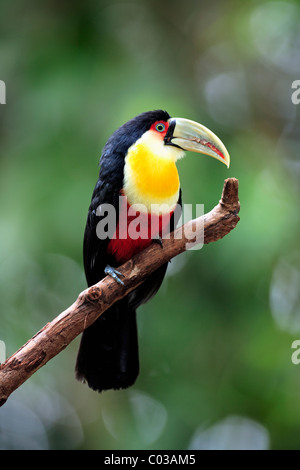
137,167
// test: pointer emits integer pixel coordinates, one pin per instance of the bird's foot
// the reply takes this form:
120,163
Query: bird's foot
114,274
157,239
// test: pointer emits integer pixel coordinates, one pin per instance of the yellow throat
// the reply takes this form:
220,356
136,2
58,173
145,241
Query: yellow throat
150,173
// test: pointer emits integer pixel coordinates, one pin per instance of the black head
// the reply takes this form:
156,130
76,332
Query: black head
132,130
113,156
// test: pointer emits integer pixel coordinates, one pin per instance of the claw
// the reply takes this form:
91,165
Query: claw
114,274
157,239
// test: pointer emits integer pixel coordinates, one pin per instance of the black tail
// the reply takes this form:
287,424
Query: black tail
108,353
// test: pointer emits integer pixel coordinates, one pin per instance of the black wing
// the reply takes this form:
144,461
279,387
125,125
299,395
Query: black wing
107,191
95,248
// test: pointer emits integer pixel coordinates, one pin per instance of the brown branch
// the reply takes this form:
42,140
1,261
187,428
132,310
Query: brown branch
92,302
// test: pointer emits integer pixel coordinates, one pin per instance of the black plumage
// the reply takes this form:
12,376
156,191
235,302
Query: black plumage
108,353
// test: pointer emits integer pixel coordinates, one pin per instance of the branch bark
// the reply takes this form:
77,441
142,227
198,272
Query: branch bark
92,302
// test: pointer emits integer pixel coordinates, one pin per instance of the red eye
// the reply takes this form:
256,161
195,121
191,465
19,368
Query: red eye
160,126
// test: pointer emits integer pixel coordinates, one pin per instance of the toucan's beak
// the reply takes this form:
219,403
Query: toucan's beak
190,135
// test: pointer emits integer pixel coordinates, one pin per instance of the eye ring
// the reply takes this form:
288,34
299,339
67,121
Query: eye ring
160,127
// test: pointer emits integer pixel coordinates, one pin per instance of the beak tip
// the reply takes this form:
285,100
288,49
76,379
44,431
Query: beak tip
190,135
227,159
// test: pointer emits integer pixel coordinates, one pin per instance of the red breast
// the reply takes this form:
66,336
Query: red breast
135,231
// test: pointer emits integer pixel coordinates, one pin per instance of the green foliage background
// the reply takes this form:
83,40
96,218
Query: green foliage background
215,343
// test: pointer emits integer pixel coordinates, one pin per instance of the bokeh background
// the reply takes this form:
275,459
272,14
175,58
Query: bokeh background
216,342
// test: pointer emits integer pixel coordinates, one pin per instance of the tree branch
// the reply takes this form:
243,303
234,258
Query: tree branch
92,302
